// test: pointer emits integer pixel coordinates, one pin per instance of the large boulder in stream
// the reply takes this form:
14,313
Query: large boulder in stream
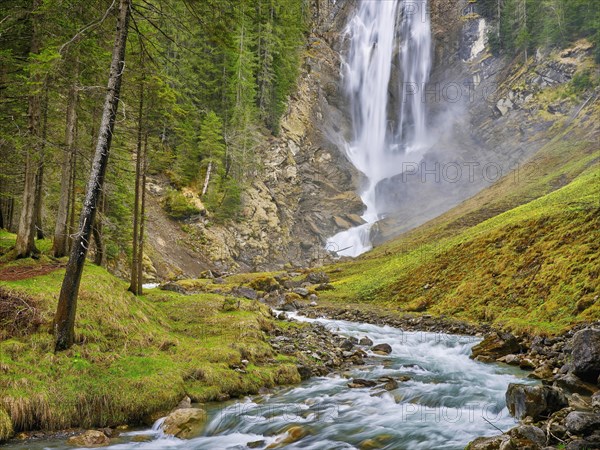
382,349
90,438
494,346
185,423
585,361
534,401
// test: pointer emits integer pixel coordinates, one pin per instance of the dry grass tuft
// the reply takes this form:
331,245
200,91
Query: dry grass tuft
19,314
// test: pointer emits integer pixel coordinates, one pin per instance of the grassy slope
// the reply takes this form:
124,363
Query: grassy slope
135,357
522,254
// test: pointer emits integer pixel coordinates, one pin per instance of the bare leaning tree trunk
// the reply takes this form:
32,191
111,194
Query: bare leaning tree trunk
61,235
64,321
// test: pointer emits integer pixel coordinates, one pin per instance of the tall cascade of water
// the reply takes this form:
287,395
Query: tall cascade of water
381,33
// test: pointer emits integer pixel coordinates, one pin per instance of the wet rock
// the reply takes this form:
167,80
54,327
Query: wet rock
512,360
90,438
582,423
391,385
256,444
292,435
585,354
185,423
534,401
365,341
496,345
487,443
543,372
357,383
142,438
382,349
346,345
528,433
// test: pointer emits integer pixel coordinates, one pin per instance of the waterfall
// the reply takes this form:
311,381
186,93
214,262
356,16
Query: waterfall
381,33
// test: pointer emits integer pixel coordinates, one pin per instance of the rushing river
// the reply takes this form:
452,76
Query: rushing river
447,402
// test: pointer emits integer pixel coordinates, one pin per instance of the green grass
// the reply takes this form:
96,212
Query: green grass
522,255
134,359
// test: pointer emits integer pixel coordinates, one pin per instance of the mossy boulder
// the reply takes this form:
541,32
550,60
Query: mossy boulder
185,423
90,438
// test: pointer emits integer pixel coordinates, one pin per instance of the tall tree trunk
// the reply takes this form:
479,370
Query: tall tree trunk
64,321
10,209
25,245
39,182
73,186
60,245
142,219
135,263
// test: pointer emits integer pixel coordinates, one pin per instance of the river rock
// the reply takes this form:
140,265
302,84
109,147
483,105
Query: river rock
358,383
346,345
494,346
292,434
185,423
382,349
596,402
365,341
585,354
534,401
90,438
582,423
488,443
527,435
574,385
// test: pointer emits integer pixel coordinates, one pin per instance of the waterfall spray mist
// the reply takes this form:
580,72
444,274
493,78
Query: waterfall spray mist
380,32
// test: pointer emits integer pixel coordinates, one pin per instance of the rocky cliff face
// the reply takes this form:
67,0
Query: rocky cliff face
489,115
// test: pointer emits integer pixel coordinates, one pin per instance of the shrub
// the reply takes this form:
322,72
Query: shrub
178,207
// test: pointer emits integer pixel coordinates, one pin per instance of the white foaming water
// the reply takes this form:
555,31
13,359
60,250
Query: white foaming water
382,141
448,401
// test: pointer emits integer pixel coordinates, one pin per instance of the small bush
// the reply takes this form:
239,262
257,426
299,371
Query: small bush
265,284
178,207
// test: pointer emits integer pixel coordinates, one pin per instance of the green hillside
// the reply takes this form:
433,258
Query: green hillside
522,254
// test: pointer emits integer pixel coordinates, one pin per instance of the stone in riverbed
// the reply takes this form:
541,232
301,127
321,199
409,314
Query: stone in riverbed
185,423
365,341
90,438
586,355
382,349
358,383
488,443
496,345
534,401
524,433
